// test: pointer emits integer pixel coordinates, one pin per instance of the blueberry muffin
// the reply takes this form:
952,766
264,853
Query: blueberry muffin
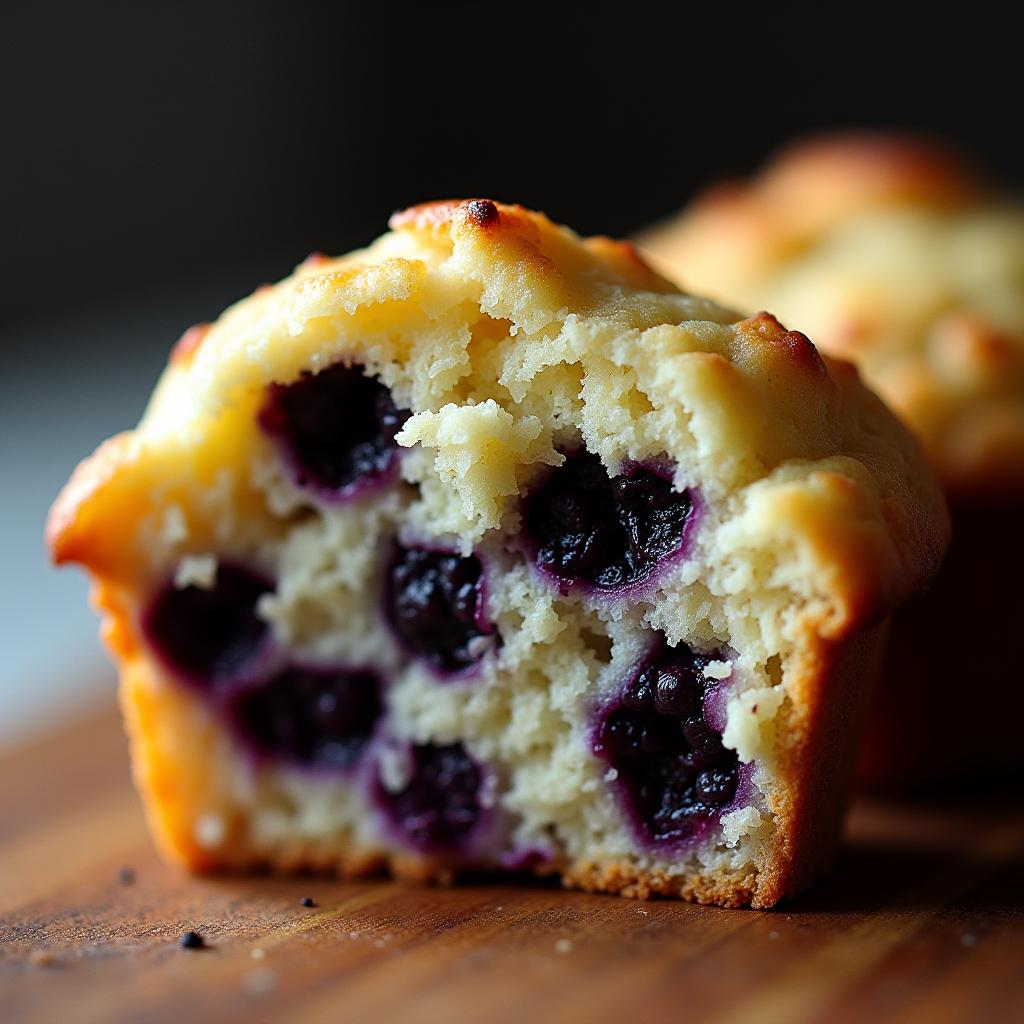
487,548
892,253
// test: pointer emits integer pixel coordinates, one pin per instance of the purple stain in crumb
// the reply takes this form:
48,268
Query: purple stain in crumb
336,427
584,526
211,636
434,601
308,901
439,807
317,716
671,766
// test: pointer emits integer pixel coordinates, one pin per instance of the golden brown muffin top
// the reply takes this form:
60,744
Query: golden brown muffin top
504,334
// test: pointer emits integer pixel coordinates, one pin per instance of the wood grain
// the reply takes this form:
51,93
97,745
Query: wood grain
922,921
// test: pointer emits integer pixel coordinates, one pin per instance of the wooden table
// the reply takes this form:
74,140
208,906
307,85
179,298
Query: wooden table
923,920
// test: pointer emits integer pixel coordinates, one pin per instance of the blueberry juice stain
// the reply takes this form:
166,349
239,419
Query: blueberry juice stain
673,770
336,429
585,527
210,635
440,806
314,716
434,602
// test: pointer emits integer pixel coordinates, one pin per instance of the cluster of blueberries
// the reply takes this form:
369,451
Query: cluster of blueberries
336,432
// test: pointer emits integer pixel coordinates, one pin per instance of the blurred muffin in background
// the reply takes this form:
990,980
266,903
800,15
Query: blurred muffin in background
890,251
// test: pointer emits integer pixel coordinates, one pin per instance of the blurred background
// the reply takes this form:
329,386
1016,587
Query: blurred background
160,161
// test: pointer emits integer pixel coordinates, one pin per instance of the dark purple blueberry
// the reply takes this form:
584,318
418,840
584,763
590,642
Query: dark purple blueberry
434,602
631,734
585,526
639,694
673,768
338,427
322,717
703,741
440,805
192,940
716,785
675,690
211,635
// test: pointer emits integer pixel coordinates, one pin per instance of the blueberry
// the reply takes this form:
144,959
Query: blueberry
622,734
434,602
633,734
716,785
322,717
337,427
675,691
700,738
584,526
440,806
639,694
674,771
210,635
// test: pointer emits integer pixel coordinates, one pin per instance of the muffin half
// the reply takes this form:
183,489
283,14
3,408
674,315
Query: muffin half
485,547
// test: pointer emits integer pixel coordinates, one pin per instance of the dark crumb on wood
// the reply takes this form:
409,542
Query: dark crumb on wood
308,901
126,876
192,940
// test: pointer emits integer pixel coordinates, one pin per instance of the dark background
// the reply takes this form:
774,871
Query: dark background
149,145
158,160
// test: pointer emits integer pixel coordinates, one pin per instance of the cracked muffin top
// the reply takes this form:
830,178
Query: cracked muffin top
495,330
